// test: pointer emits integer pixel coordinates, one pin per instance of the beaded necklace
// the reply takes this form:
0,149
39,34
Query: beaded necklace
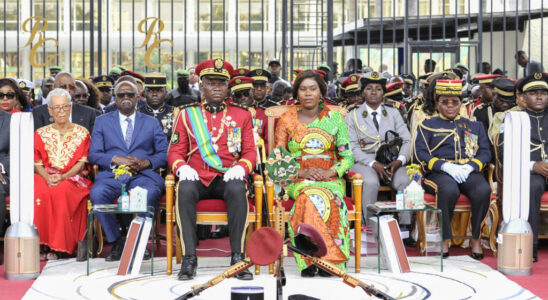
214,139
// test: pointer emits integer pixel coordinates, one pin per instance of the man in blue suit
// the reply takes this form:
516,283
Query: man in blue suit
126,137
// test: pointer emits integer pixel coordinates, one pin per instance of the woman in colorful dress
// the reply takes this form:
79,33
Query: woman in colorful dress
60,188
317,137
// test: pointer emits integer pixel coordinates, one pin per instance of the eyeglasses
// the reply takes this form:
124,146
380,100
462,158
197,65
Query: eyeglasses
123,95
453,102
9,95
105,89
80,96
259,85
58,108
242,93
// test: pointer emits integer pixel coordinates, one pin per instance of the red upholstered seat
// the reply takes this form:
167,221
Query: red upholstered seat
463,200
544,201
288,205
8,200
218,206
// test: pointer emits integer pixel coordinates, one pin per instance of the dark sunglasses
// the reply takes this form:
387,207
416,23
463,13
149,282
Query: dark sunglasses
9,95
240,94
78,96
105,89
453,102
123,95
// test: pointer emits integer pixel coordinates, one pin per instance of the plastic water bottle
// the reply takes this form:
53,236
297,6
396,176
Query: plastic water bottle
124,199
399,200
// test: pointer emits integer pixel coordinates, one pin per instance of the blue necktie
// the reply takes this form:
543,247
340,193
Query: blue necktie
129,132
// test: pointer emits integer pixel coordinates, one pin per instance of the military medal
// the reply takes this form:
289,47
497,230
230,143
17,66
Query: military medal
471,142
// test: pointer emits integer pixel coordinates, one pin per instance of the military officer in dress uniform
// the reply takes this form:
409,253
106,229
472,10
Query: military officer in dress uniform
183,94
497,126
104,83
351,93
486,89
211,151
503,99
454,151
261,78
408,86
535,88
155,94
367,127
394,97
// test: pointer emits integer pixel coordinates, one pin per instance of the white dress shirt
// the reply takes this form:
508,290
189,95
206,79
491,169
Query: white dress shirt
123,122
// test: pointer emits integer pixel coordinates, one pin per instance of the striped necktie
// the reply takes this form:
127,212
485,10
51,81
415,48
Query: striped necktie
129,132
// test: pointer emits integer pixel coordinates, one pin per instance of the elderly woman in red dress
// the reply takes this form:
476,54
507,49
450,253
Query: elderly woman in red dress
60,189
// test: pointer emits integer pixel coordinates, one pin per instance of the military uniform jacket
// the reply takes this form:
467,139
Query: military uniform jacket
230,124
460,141
539,136
165,115
484,114
365,139
260,122
177,98
266,103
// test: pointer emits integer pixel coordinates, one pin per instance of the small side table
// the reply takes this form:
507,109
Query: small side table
377,212
115,210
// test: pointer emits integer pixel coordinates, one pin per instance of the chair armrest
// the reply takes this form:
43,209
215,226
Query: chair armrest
357,188
258,191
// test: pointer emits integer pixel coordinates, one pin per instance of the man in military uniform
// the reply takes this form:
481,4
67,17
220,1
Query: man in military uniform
486,89
211,152
497,126
535,88
155,93
503,99
239,72
261,78
367,127
407,88
351,93
104,83
53,71
240,87
416,103
183,94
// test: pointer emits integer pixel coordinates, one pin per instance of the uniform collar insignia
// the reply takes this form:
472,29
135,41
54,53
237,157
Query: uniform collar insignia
214,109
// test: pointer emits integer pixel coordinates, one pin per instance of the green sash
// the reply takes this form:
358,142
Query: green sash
203,139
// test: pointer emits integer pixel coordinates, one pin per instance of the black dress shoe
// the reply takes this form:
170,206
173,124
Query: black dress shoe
477,256
323,273
445,254
309,272
203,231
188,267
409,242
146,256
245,274
221,232
117,249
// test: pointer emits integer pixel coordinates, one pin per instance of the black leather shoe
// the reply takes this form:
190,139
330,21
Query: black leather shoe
188,267
409,242
221,232
323,273
477,256
245,274
146,256
202,231
535,253
445,254
309,272
117,249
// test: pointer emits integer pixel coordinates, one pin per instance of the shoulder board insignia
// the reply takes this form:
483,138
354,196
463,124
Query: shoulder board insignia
188,105
238,105
351,107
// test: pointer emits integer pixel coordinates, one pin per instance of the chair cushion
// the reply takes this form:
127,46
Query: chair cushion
217,206
462,201
543,201
288,205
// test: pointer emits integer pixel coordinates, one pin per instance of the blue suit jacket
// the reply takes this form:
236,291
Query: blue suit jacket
148,142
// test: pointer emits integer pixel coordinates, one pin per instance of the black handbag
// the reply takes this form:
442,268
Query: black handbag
389,150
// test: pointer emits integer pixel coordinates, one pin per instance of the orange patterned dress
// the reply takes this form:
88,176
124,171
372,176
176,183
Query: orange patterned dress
60,211
324,144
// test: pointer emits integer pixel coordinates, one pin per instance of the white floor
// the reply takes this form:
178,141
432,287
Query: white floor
463,278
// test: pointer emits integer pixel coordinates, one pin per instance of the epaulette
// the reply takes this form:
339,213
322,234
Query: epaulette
351,107
238,105
481,106
188,105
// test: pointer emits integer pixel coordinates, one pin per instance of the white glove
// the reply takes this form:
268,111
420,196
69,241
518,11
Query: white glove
234,173
453,170
186,172
465,170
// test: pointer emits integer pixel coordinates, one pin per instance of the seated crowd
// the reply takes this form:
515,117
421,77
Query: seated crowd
205,132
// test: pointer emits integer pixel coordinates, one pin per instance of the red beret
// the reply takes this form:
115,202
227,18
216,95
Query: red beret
306,234
322,73
239,83
135,75
393,86
265,246
215,68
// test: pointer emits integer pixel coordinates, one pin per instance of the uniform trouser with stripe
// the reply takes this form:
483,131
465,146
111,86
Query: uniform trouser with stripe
475,188
232,192
537,188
